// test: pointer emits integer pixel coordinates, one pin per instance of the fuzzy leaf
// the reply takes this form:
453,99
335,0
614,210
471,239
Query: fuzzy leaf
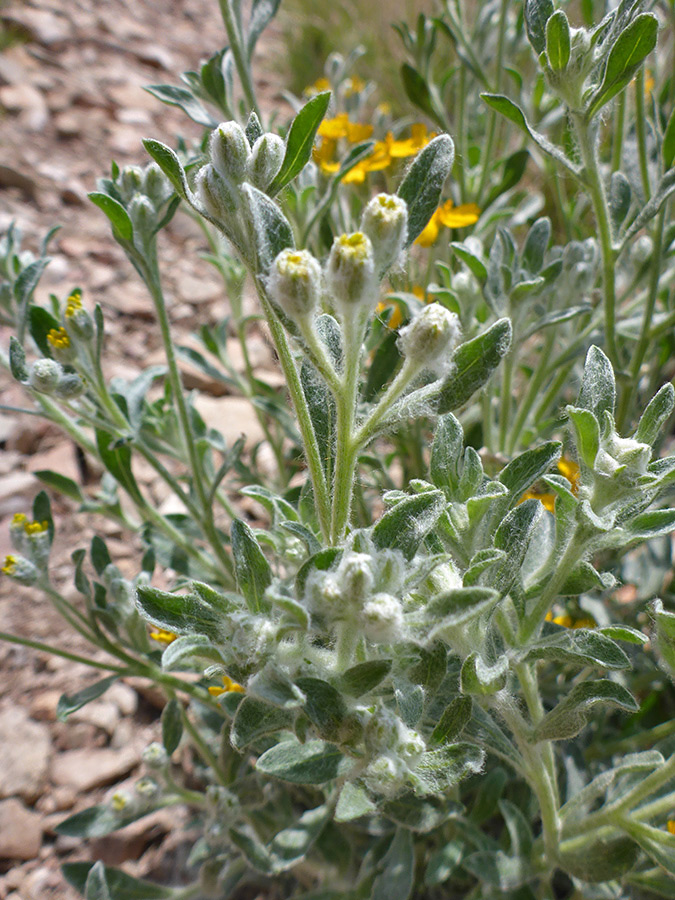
121,885
537,14
311,763
300,140
473,363
423,183
598,388
558,41
395,882
116,213
70,704
255,718
406,525
570,716
254,574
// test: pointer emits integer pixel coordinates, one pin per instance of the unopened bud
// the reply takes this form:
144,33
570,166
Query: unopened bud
20,570
229,151
70,386
351,271
385,221
267,155
382,618
155,756
355,577
295,282
431,337
130,181
156,186
45,374
219,197
143,216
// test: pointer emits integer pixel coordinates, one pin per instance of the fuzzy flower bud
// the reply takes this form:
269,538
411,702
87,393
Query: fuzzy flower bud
155,756
229,151
385,221
44,376
295,282
130,181
219,197
355,577
146,790
156,186
386,776
351,272
143,216
431,337
78,322
17,532
20,570
61,347
267,155
70,386
618,452
382,619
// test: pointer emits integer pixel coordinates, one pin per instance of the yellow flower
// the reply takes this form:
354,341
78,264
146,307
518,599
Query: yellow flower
374,162
547,500
74,302
418,139
671,826
452,217
229,686
9,566
58,337
383,108
354,85
566,621
164,637
36,527
649,83
334,128
358,131
321,84
396,316
420,293
570,470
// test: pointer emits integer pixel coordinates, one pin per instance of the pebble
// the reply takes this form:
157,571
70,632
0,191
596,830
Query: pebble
20,831
85,769
24,750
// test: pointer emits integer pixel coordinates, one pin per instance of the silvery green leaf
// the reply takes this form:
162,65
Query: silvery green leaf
583,578
630,49
601,860
537,14
262,13
481,678
254,718
443,862
451,724
353,803
324,706
446,766
169,163
180,613
473,263
185,99
423,183
522,472
300,141
409,701
587,434
406,525
570,716
473,363
420,814
172,725
655,416
458,606
271,229
253,572
657,843
364,677
598,387
446,453
253,129
519,828
292,844
395,882
70,704
98,821
496,868
653,882
96,886
121,885
274,685
536,245
620,196
581,647
116,213
189,647
311,763
513,537
17,360
558,41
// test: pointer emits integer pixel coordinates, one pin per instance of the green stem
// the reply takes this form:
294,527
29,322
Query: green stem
64,654
536,381
236,46
641,133
310,443
632,744
203,749
506,399
586,137
619,130
492,122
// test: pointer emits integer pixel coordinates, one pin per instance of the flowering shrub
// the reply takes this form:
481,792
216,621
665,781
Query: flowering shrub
416,680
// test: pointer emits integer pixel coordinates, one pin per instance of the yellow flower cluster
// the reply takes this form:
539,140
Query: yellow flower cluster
229,686
381,156
450,216
671,826
568,622
20,521
9,566
58,337
163,637
73,303
570,470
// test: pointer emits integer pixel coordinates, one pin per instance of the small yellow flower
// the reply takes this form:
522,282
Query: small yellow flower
383,108
58,337
671,826
450,216
374,162
164,637
570,470
547,500
396,316
9,566
354,85
19,520
334,128
566,621
119,801
358,131
229,686
321,84
36,527
323,156
419,138
74,302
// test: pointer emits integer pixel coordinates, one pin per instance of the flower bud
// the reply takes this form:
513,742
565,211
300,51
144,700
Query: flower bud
78,322
17,532
20,570
156,186
130,181
70,386
351,271
431,337
355,577
143,217
267,155
45,374
229,151
295,282
382,619
385,221
61,347
386,776
219,197
155,756
147,789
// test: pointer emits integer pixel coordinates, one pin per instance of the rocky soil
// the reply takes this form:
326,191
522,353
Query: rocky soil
71,99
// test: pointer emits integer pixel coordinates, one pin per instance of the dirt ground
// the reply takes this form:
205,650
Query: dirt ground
71,100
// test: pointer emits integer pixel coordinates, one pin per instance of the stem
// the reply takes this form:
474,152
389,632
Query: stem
556,580
311,446
506,398
641,132
56,651
203,749
619,129
243,69
492,124
596,189
527,403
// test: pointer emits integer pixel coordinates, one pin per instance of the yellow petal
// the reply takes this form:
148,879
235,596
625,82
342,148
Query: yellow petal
334,128
458,216
358,131
430,232
570,470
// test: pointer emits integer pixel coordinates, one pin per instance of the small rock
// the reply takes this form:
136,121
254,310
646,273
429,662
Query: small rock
197,290
124,697
24,750
83,770
68,124
101,713
57,800
43,706
42,26
155,55
20,831
232,416
28,102
10,177
61,459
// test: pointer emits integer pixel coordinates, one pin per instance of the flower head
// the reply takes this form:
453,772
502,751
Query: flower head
450,216
431,337
295,282
228,687
351,270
